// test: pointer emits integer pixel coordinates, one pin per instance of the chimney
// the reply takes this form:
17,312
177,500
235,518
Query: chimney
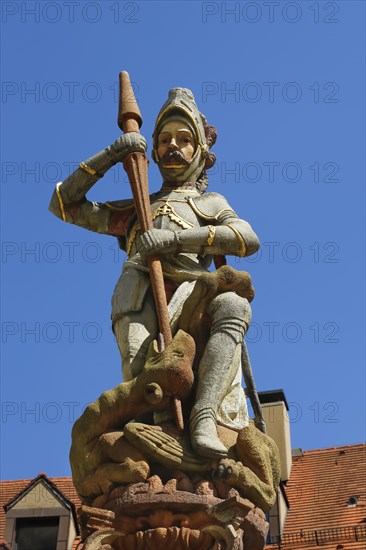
274,406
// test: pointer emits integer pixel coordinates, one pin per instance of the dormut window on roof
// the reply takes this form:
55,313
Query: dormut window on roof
40,518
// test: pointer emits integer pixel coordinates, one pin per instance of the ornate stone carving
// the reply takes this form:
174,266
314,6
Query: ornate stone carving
207,523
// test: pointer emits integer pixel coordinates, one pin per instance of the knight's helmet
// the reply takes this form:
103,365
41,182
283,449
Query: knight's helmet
181,105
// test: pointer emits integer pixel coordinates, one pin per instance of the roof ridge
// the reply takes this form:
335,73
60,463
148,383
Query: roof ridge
67,478
335,448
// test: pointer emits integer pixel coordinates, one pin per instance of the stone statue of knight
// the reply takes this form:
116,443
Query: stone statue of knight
191,226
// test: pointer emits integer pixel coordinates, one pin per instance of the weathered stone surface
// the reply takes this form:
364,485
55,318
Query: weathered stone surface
255,529
99,459
206,523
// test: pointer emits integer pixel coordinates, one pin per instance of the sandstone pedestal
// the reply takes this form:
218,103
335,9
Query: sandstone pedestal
154,516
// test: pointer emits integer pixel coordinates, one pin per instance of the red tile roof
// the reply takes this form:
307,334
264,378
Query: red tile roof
321,483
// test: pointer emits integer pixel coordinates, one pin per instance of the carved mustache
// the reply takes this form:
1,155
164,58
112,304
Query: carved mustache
173,157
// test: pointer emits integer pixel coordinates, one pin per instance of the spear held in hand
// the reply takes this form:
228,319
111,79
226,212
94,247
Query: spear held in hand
135,164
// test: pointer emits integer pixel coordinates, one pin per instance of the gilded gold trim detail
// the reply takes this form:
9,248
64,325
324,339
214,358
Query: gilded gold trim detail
169,199
87,169
211,234
240,239
199,213
132,237
61,202
164,210
112,207
186,191
179,190
173,165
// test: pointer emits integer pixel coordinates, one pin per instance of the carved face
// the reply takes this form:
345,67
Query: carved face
176,144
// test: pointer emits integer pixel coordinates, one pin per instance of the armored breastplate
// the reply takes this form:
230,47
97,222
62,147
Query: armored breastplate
172,211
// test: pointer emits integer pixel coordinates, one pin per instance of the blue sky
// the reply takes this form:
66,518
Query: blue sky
283,83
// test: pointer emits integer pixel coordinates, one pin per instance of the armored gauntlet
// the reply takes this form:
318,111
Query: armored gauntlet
204,240
73,190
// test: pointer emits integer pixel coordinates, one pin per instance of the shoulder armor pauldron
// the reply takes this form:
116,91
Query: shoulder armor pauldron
211,207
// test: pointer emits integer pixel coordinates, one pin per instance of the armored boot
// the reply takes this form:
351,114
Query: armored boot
231,316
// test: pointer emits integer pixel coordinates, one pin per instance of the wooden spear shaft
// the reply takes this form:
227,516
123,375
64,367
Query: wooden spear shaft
135,164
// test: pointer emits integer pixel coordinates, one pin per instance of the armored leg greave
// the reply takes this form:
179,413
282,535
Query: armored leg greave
134,332
231,316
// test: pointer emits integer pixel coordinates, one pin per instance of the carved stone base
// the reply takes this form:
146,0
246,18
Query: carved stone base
148,516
